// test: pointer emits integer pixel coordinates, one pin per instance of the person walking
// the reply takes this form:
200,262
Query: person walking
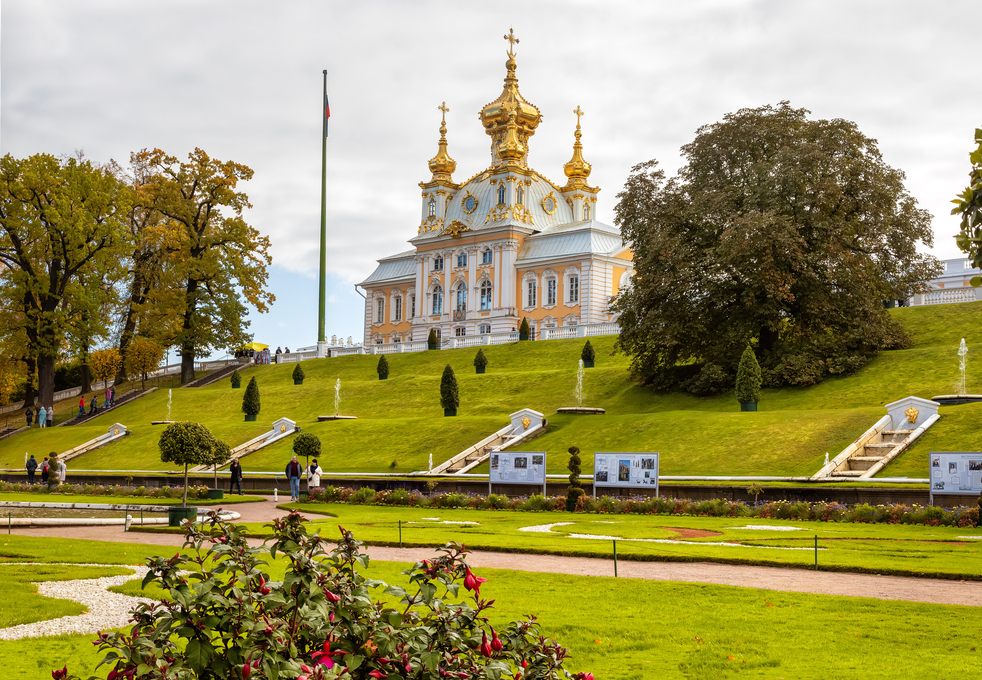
112,395
94,406
32,466
81,407
30,415
62,471
235,476
314,473
45,471
109,397
294,470
42,417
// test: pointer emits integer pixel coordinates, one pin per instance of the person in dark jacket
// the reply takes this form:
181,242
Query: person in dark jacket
235,476
294,470
32,466
30,415
94,406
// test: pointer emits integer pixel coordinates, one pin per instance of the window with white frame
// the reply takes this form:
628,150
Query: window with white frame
380,310
438,263
460,331
397,308
520,196
431,207
485,329
412,306
461,297
551,292
462,258
438,299
586,210
573,288
485,295
501,194
487,257
531,293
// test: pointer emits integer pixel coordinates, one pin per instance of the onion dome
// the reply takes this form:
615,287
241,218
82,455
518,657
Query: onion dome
511,149
496,116
577,170
442,165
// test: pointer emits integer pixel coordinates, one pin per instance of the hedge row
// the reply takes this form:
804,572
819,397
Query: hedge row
964,516
196,492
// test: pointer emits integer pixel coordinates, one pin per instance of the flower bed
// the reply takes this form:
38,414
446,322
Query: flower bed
194,492
894,513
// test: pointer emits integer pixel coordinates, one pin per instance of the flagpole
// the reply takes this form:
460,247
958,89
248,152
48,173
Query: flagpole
321,335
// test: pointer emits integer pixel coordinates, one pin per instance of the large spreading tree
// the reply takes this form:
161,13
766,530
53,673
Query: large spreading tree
787,233
969,206
216,261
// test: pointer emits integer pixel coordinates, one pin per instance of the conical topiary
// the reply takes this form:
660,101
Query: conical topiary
588,354
236,379
250,400
431,339
524,330
298,374
748,378
574,490
480,361
449,395
383,368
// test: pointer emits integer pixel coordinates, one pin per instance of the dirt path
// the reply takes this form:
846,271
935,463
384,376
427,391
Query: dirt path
935,591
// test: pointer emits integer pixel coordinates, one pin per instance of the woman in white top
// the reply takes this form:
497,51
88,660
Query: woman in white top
314,473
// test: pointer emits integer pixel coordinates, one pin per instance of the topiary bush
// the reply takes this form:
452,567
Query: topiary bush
574,490
251,404
383,367
236,379
323,620
306,445
748,378
480,361
188,443
588,354
298,373
431,339
449,395
524,330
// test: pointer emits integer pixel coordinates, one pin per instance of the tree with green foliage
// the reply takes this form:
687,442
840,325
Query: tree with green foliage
188,443
236,378
307,445
969,206
431,339
574,490
787,230
383,367
250,400
480,361
218,262
62,228
142,356
449,395
220,454
588,354
524,330
748,378
298,373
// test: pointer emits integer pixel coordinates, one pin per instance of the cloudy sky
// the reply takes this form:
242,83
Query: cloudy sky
242,80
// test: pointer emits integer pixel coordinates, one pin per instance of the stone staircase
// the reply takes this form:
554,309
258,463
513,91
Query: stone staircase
524,425
872,453
213,377
11,431
281,429
123,399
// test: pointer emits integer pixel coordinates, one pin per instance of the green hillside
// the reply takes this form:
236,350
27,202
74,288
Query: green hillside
400,422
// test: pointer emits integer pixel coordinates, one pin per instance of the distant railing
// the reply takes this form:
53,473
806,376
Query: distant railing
941,297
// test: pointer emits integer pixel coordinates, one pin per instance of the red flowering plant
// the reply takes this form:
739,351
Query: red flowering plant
222,616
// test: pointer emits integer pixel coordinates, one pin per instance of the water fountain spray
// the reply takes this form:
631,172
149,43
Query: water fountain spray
579,384
169,395
962,351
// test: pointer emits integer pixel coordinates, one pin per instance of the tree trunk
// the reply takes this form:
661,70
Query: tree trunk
30,393
185,501
138,296
187,364
46,379
187,348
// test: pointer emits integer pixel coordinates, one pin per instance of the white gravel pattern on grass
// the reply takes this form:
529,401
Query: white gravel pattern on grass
546,528
106,610
769,527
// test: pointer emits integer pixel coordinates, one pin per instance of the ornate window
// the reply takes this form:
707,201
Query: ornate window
431,207
486,295
380,310
573,288
460,331
412,306
487,257
437,299
462,258
438,263
531,293
397,308
462,297
501,194
551,292
586,210
484,329
520,195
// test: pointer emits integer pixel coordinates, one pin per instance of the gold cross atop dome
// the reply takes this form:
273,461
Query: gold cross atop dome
442,165
443,107
578,113
512,41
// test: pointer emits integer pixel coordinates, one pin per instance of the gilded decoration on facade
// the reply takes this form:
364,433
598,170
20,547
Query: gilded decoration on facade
526,421
549,204
468,203
442,165
911,414
455,229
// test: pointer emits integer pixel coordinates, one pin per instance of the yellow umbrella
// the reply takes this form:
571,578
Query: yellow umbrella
255,345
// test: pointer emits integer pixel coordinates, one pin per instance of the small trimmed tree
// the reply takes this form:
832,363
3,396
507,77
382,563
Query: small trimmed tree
449,395
53,479
480,361
574,490
187,443
383,368
250,400
221,452
298,374
236,379
307,445
524,330
588,355
431,339
748,378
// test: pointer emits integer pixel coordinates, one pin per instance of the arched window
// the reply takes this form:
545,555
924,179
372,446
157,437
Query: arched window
380,310
397,308
586,210
431,207
438,299
438,263
520,196
486,295
462,258
487,257
461,297
531,289
501,194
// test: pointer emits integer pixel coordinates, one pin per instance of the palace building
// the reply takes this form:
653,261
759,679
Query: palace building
505,244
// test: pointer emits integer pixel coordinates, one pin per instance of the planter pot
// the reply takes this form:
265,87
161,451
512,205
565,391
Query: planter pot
588,363
177,514
479,369
297,382
447,412
523,336
748,405
250,419
430,345
216,494
235,387
383,377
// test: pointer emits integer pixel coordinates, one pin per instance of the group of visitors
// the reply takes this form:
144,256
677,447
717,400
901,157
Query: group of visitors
49,473
45,416
294,472
280,351
94,404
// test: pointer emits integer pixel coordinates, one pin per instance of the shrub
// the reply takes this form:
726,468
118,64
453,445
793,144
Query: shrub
449,395
383,367
748,378
480,361
524,330
365,494
236,378
431,338
253,624
298,373
574,490
588,353
306,445
250,400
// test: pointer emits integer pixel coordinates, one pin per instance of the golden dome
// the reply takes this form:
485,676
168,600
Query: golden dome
577,170
496,116
511,148
442,165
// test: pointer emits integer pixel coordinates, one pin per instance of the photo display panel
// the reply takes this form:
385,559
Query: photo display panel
625,469
958,472
518,467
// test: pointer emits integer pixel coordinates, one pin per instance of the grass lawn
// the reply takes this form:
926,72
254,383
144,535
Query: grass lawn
27,606
400,422
623,629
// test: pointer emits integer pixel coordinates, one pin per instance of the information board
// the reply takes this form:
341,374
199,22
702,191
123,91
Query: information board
518,467
955,472
625,470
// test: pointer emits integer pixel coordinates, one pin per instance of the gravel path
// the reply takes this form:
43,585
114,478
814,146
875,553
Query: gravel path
936,591
106,610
